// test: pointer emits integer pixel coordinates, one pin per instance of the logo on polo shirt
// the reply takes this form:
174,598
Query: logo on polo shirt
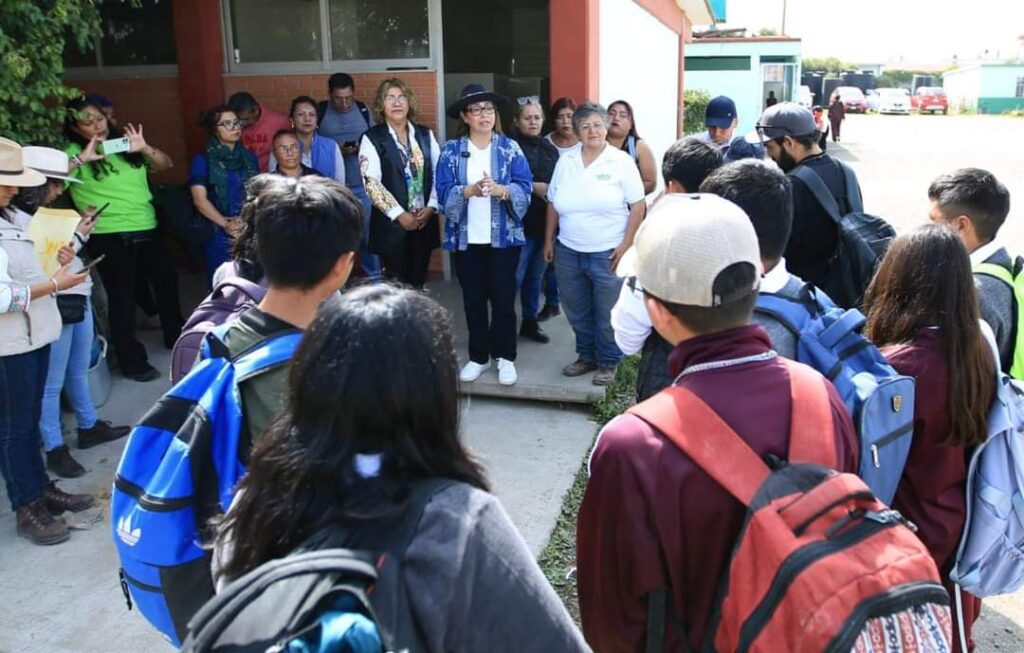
604,176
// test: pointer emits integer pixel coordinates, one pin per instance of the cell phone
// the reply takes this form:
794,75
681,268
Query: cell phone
96,215
93,263
116,145
349,144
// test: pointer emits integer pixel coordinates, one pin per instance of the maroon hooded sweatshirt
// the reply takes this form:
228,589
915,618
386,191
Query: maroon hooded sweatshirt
650,516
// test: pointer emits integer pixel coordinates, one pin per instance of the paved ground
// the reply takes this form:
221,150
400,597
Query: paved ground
896,157
67,599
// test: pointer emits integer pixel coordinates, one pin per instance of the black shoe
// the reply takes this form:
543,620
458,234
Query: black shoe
58,501
101,432
531,329
549,311
60,462
148,373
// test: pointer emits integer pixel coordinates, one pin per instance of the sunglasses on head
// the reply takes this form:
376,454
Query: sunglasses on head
528,99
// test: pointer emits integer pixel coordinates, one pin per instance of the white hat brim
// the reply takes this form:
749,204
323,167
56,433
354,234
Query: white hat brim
49,174
27,178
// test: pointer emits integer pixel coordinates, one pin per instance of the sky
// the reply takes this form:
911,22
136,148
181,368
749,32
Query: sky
890,31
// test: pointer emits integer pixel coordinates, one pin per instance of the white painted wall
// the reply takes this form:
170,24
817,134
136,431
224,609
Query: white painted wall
639,63
962,88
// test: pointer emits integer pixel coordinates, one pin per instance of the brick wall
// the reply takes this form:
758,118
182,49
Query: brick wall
153,102
277,91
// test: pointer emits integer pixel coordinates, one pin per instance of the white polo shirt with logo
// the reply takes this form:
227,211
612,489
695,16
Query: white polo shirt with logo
593,201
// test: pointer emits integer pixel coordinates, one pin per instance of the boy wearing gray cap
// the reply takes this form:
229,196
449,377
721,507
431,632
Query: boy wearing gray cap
790,137
651,519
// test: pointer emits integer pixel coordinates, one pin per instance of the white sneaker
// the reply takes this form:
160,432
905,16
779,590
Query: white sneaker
472,371
506,372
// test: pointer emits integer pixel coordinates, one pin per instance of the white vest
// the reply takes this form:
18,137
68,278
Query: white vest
41,324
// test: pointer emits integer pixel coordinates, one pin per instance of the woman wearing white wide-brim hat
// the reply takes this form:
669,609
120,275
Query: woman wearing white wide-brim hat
29,322
70,354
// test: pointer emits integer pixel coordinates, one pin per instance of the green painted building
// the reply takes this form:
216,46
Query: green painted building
986,87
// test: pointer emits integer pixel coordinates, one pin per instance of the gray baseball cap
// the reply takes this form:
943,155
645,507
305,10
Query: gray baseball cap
786,119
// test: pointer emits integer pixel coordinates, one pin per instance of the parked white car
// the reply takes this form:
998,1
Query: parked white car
894,100
872,100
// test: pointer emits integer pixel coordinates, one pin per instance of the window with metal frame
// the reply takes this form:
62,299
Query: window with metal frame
132,36
1020,87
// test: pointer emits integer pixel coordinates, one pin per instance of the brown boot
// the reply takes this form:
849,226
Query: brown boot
36,524
57,501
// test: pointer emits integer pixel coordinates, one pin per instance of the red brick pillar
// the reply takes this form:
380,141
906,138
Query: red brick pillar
575,56
198,40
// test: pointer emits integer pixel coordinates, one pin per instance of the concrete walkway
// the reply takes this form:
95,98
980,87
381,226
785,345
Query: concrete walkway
66,598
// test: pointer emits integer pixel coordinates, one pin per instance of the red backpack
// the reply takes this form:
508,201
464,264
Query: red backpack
820,564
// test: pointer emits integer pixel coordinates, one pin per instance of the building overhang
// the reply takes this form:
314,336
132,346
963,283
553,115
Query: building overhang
698,12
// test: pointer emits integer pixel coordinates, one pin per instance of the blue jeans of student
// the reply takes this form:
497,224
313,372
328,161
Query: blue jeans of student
369,261
589,291
529,275
68,371
22,377
550,286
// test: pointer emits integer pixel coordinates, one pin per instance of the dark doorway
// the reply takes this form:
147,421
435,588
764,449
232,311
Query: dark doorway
502,44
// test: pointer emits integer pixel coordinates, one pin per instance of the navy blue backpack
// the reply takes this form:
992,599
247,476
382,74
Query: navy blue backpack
880,401
179,468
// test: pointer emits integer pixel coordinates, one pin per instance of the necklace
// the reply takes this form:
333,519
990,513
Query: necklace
729,362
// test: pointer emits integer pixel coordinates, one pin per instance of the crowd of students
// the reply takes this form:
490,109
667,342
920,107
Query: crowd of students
369,408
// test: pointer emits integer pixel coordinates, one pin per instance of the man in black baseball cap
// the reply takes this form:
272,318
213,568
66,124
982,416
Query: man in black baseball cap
721,118
790,137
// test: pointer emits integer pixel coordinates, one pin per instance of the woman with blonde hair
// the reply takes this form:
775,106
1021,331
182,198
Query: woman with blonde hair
398,159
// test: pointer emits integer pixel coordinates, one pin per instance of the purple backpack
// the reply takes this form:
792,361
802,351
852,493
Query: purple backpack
228,300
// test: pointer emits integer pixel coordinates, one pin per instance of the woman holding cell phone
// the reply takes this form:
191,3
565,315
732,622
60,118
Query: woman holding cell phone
127,232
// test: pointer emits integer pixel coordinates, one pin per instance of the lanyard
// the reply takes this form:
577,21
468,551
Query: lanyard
729,362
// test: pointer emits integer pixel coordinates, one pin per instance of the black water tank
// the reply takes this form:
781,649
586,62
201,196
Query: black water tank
829,84
863,81
813,81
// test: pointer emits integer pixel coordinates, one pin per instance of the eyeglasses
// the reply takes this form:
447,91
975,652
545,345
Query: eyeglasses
231,124
592,126
528,99
395,99
288,149
487,110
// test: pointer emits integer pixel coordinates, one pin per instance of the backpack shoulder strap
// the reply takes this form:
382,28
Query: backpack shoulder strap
270,353
253,291
811,428
364,112
995,270
790,313
853,195
706,439
819,190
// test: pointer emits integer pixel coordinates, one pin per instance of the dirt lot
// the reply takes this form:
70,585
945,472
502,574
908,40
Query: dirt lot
895,158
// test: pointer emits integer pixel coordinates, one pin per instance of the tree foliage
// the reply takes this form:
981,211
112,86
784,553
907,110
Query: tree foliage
695,105
767,31
33,37
828,64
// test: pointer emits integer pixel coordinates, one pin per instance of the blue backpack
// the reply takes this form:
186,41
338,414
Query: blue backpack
990,558
880,401
179,468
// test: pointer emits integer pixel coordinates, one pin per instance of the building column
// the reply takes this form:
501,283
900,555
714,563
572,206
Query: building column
199,43
574,30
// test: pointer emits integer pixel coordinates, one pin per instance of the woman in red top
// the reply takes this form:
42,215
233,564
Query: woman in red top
923,313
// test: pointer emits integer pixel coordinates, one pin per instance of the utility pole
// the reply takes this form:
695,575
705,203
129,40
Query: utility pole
784,3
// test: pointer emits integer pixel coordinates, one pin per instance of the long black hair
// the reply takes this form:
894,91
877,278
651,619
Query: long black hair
376,373
101,168
924,281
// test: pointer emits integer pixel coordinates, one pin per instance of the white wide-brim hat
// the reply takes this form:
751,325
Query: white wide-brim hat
48,161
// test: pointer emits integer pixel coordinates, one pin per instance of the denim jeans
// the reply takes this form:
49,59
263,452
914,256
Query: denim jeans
529,275
369,261
550,286
589,291
68,371
22,377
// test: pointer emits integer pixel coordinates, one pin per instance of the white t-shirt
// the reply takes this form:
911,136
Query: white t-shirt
564,150
593,201
478,210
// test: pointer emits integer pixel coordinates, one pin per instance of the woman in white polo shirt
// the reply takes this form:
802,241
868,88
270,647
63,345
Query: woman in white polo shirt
596,204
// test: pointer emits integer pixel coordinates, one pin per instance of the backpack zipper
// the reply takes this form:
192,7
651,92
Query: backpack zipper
895,600
882,442
149,502
796,563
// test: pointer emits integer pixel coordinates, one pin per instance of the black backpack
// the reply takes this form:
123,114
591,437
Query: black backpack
863,238
335,584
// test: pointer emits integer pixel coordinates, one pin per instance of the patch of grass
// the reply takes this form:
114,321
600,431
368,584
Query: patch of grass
558,559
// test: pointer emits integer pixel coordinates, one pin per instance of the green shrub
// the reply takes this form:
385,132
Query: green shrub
33,37
695,104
